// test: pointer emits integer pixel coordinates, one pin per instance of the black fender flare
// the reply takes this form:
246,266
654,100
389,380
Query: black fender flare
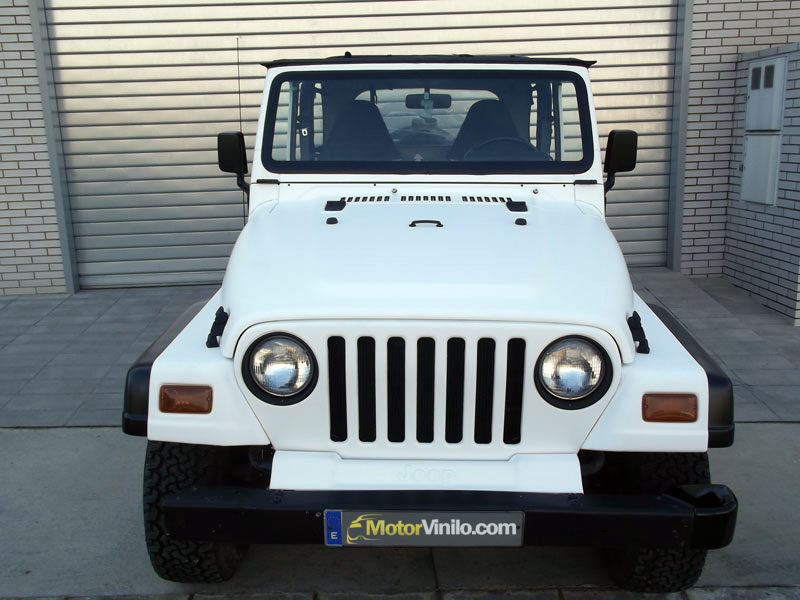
720,389
137,382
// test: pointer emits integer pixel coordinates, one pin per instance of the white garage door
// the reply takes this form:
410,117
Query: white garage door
144,88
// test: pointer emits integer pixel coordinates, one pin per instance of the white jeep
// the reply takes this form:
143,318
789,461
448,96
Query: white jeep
427,336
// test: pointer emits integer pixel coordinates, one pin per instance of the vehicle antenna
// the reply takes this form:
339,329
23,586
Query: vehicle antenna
245,197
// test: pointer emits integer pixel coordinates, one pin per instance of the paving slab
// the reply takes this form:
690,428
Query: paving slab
519,568
756,346
370,596
760,593
261,596
35,418
754,413
70,504
616,595
503,595
80,345
761,468
93,417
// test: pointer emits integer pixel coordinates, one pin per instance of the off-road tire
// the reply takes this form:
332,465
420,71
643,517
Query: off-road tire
663,569
169,468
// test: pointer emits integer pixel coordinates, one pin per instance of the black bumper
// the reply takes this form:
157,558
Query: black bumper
702,516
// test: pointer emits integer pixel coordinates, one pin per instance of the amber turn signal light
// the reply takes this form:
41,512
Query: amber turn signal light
185,399
669,408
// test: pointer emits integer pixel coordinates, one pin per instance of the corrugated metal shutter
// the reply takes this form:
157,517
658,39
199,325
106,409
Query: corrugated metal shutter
143,89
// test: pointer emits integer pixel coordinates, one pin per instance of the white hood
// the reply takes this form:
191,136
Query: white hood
563,266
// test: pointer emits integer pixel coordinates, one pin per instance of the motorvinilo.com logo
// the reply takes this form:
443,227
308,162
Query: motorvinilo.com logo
423,528
377,526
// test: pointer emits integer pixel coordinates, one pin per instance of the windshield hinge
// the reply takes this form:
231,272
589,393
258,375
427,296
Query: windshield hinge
517,205
220,320
637,331
335,205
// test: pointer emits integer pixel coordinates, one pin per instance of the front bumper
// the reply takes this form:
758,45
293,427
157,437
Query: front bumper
701,516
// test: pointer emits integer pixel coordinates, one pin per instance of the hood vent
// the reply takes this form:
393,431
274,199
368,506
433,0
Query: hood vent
364,199
512,205
425,199
484,199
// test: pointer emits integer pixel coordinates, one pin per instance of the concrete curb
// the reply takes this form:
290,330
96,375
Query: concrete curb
710,593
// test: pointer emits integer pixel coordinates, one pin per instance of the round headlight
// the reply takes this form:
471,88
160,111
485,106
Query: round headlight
282,366
572,369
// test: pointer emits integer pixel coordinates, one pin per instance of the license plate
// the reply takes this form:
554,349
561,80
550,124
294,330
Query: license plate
422,528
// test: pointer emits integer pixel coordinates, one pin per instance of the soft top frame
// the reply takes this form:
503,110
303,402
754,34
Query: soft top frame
348,59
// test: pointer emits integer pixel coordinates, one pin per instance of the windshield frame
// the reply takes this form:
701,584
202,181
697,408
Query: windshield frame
430,167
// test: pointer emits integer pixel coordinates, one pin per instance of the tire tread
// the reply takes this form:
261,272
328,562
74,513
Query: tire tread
169,468
661,570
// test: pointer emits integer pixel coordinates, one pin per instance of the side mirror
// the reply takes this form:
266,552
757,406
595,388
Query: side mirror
621,151
232,157
620,154
231,154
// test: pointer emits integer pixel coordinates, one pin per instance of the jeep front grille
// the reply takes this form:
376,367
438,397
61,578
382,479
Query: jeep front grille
422,397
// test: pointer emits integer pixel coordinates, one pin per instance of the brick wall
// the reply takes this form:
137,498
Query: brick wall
30,250
721,30
763,244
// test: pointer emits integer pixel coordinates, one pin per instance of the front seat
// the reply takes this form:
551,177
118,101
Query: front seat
359,134
485,120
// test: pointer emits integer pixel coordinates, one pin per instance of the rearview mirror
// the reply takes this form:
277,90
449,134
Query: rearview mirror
231,154
439,100
621,151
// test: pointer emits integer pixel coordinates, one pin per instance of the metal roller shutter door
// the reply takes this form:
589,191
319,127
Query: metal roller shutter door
143,89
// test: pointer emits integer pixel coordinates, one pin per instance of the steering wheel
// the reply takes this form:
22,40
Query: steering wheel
477,148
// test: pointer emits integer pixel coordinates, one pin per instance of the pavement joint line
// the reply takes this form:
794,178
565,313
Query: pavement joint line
435,570
585,592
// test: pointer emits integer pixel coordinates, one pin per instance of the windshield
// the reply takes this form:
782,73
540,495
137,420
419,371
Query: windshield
515,121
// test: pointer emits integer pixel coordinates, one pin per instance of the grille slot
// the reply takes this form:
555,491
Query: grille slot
454,419
515,379
438,413
484,391
337,388
366,389
396,389
426,374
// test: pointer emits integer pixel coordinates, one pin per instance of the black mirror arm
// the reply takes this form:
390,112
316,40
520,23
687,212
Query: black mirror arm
610,181
242,184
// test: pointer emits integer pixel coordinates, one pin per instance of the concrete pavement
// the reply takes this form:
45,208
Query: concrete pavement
63,359
70,508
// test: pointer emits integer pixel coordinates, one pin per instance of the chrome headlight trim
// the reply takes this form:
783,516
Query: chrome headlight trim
263,394
585,400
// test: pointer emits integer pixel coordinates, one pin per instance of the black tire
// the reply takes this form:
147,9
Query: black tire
169,468
660,570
